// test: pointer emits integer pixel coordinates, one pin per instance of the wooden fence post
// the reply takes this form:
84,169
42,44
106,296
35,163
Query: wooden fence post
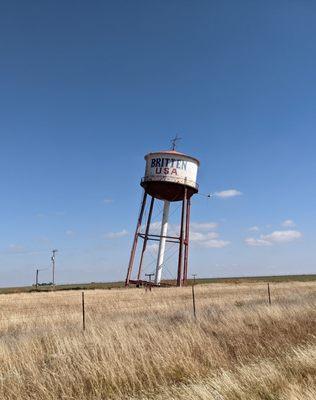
269,294
193,300
83,312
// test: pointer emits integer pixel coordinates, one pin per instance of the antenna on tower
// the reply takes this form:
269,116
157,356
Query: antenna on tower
174,142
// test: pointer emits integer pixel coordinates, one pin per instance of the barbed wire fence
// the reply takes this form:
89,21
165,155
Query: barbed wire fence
87,309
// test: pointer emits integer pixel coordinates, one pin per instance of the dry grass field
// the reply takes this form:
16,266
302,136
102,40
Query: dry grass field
147,345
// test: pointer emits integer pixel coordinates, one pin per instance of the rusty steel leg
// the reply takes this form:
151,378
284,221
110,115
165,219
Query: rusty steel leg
146,237
180,260
186,242
133,251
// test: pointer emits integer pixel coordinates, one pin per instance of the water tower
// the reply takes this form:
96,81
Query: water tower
170,176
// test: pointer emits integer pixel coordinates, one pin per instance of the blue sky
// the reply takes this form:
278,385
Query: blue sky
87,88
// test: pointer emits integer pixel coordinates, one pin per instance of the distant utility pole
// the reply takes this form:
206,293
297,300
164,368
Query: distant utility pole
194,275
53,264
36,279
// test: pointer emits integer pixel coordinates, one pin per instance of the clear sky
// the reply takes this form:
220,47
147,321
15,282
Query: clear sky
88,87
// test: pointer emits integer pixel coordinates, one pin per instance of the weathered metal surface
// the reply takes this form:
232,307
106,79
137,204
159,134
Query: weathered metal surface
167,172
145,237
186,242
180,260
136,235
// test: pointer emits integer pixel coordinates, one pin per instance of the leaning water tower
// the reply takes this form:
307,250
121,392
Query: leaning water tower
170,176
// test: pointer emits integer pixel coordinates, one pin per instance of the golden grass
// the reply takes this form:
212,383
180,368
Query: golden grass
147,345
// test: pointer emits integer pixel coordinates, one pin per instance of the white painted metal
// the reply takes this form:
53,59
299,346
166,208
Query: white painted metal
171,166
162,243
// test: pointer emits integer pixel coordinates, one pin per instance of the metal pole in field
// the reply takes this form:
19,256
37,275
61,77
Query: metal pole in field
83,312
53,264
36,279
193,296
269,294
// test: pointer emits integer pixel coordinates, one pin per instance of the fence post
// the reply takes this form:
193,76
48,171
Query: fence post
83,312
269,294
193,300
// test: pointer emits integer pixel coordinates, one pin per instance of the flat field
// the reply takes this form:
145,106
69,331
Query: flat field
148,345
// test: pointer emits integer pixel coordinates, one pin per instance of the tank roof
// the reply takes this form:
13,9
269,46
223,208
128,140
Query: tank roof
174,153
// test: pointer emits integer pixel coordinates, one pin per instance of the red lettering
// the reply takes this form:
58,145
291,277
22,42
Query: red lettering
174,171
166,171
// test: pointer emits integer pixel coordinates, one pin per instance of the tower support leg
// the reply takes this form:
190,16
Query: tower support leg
146,237
162,243
133,251
186,241
180,260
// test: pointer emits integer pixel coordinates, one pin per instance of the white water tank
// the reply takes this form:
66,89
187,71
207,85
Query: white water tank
168,173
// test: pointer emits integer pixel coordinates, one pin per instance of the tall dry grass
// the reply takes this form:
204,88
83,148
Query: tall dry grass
147,345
